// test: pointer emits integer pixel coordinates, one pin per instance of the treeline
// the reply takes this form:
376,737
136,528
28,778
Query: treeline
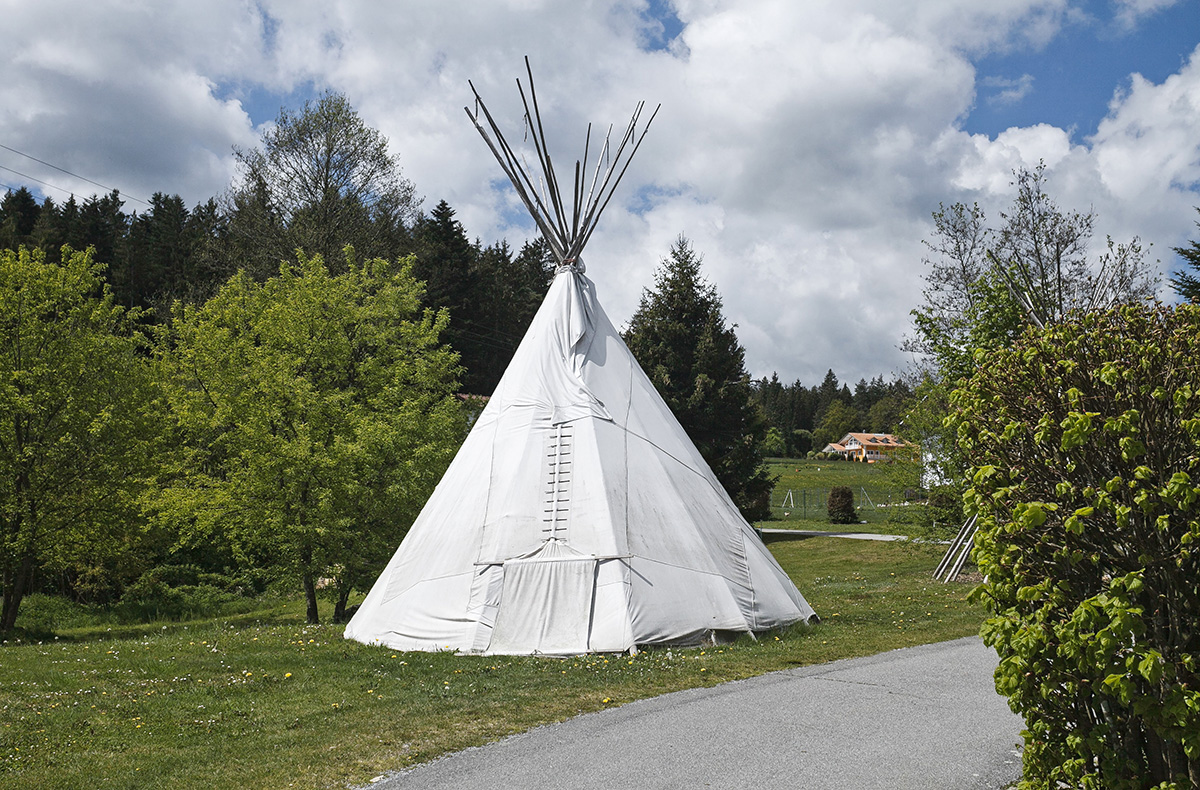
322,181
168,253
804,419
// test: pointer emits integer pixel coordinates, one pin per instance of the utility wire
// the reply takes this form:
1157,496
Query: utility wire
61,170
38,180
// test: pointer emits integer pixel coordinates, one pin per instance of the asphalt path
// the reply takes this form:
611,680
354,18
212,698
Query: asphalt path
922,718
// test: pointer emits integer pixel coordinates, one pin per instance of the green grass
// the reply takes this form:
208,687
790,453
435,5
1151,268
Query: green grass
877,495
274,703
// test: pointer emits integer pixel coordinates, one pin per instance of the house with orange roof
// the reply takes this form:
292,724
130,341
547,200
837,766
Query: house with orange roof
834,447
871,447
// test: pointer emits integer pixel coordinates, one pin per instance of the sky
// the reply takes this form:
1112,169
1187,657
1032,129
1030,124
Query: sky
802,145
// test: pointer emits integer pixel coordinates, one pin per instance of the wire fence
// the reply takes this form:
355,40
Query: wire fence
812,503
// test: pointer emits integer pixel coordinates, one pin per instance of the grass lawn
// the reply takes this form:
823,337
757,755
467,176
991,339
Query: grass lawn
265,701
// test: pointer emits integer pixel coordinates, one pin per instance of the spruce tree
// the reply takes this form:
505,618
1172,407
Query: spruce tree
18,214
682,341
447,265
1185,284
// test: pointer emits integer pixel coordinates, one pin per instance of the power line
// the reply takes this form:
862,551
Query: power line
61,170
38,180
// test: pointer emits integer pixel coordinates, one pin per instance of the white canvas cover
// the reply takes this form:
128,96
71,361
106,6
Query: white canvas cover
576,517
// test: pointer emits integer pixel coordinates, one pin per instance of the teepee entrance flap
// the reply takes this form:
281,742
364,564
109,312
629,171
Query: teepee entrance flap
546,602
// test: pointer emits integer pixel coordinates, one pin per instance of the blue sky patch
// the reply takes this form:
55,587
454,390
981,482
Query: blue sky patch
1070,82
263,103
661,26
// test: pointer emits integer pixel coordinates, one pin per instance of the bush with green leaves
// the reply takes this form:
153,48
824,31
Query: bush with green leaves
773,445
840,506
312,414
1084,443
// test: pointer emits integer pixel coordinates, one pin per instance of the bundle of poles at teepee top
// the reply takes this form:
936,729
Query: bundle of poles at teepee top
565,235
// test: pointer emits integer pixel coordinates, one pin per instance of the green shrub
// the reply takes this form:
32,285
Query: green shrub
45,614
178,592
840,506
773,445
1084,443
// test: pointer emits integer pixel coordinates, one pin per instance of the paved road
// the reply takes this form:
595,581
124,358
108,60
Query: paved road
921,718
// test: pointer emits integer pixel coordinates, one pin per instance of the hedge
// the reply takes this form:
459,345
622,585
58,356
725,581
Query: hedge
1084,442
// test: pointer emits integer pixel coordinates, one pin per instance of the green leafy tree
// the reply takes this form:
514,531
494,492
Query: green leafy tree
75,437
801,442
885,414
773,445
316,414
1185,283
681,340
1083,444
322,180
839,420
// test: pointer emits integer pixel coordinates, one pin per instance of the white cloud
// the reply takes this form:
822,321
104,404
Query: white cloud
801,146
1130,12
125,97
1009,91
1148,144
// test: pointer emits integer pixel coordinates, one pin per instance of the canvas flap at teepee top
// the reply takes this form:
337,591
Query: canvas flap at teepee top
577,516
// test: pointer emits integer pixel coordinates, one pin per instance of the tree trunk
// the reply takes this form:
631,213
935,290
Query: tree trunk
339,608
14,591
310,595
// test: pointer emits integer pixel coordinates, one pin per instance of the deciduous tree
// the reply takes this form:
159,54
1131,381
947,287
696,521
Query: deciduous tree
322,180
985,284
316,413
839,420
75,434
1083,444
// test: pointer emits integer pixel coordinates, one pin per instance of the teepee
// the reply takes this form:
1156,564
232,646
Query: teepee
577,516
